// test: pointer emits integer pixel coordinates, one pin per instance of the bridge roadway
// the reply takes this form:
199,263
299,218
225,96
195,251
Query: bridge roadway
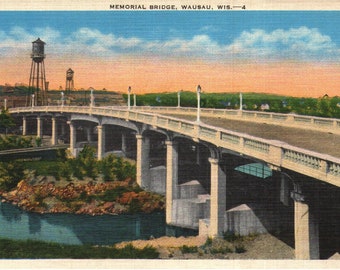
317,141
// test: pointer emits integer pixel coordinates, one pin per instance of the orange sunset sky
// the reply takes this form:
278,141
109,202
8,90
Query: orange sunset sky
286,53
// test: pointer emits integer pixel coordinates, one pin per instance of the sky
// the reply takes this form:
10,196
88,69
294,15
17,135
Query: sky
293,53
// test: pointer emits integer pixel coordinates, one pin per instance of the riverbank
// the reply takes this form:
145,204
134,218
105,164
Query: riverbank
263,246
83,197
31,249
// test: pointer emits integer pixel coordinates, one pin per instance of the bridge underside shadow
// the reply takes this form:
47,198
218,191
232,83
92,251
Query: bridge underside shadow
255,200
323,200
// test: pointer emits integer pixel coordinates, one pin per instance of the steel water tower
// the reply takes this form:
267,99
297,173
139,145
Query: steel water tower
69,81
37,84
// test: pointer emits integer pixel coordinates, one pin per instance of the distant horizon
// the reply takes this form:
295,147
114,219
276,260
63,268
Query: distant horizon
291,53
190,91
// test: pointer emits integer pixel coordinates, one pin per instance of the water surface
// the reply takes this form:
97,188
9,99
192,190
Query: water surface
78,229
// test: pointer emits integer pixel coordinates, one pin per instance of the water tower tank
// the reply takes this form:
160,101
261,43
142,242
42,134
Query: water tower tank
69,74
38,50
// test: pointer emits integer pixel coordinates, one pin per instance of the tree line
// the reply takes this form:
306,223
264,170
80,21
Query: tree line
322,107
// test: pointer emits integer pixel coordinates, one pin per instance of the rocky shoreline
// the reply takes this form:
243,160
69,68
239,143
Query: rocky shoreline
84,197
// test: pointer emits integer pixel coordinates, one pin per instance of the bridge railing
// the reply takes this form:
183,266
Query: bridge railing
291,120
276,153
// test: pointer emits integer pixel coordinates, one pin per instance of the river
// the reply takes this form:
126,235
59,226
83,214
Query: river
82,229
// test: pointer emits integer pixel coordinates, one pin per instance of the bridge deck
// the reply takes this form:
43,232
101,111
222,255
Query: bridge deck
321,142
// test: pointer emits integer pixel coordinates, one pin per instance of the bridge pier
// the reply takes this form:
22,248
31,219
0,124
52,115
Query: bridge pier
143,161
217,198
39,127
24,126
101,141
73,137
306,229
171,178
54,131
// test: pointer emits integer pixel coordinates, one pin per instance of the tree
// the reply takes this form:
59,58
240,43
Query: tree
10,174
88,161
323,107
116,168
6,120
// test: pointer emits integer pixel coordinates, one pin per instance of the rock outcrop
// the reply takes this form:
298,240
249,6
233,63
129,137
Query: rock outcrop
90,198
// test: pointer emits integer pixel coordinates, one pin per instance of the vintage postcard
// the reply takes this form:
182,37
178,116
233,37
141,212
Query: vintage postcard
169,134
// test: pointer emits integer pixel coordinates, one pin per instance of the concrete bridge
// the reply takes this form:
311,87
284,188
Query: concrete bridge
240,171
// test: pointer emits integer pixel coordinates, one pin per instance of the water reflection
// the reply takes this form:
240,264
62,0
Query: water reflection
79,229
10,213
34,223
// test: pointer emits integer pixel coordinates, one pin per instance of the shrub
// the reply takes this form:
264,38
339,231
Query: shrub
188,249
116,168
110,195
240,249
61,154
230,236
222,250
87,162
10,174
13,142
208,242
38,141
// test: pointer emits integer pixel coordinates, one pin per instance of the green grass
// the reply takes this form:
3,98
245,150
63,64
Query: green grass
29,249
43,167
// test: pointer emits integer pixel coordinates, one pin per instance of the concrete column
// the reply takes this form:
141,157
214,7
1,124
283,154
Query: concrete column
306,230
143,161
217,198
101,142
171,177
39,127
73,137
24,126
54,131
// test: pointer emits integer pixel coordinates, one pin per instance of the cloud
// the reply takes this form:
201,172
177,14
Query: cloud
301,43
298,43
18,40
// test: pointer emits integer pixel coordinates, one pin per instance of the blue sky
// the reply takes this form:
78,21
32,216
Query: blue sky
222,28
162,25
218,37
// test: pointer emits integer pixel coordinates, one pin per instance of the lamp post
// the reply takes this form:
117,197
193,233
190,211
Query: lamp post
198,102
179,98
241,100
5,104
129,92
91,99
134,100
32,96
62,99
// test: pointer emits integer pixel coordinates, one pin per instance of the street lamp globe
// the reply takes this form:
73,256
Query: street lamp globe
198,102
129,92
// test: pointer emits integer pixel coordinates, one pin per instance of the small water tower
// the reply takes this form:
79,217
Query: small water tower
69,80
37,83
